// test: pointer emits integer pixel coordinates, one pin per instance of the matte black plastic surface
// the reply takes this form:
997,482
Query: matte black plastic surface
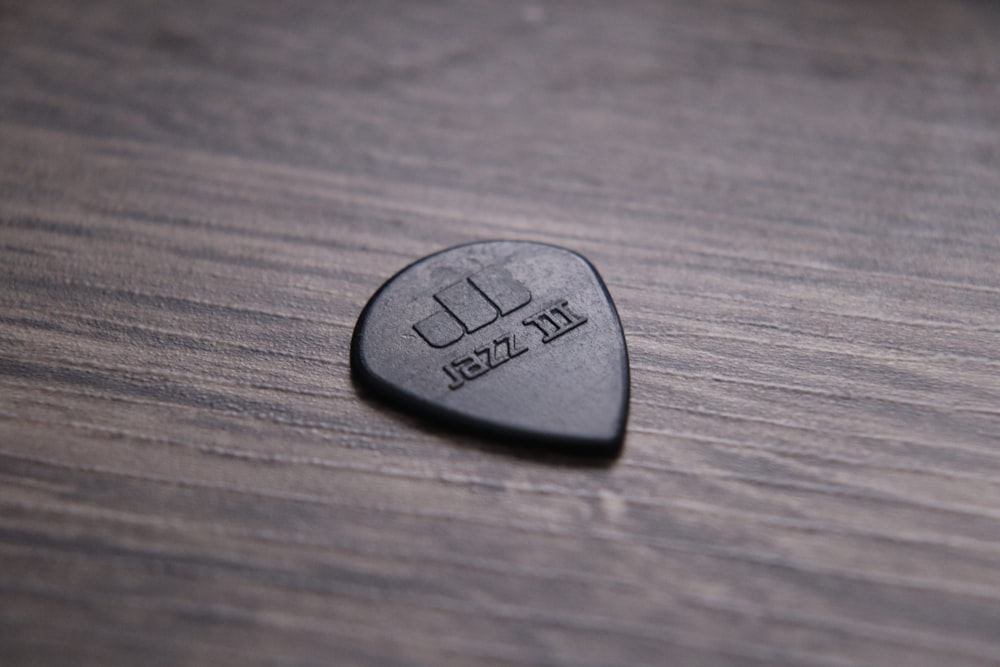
516,339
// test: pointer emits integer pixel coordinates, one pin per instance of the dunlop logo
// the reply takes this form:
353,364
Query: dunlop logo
471,304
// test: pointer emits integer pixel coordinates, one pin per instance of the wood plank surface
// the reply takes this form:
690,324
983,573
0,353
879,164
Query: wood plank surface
796,207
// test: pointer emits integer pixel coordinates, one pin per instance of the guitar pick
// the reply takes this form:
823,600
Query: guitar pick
514,339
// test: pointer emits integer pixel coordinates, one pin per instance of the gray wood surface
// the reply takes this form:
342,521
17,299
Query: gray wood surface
796,207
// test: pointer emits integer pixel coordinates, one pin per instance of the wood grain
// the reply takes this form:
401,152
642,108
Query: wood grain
796,207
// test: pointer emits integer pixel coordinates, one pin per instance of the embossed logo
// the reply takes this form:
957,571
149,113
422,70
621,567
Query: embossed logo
478,300
471,304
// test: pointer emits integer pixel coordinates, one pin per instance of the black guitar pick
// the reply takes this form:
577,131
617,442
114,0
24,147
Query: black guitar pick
514,339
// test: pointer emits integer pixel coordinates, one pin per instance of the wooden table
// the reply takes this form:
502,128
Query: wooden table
796,207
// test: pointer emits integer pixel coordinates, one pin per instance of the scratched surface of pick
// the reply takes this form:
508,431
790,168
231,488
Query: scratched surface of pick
517,340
